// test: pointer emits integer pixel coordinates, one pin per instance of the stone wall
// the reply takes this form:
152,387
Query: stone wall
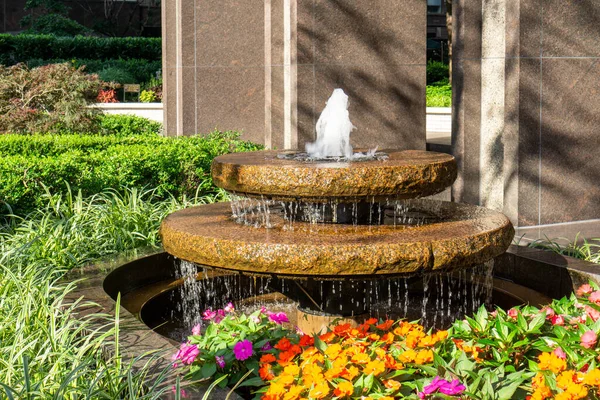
527,93
267,67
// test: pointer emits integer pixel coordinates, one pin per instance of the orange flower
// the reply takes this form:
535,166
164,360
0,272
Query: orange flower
374,337
309,352
392,384
592,378
333,373
371,321
275,391
408,356
285,379
306,340
428,341
266,372
375,367
285,357
283,344
293,392
268,358
403,329
295,349
333,351
388,338
390,362
319,391
350,373
343,330
343,389
380,352
441,335
413,338
424,357
327,337
361,358
386,325
551,362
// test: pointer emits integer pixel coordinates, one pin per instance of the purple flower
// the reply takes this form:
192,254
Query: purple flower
443,386
266,347
196,330
229,308
220,361
279,318
243,350
187,353
220,315
208,314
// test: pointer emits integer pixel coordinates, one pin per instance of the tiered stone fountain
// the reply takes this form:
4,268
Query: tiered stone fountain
334,224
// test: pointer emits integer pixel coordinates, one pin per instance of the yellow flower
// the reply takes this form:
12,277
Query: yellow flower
408,356
343,389
551,362
291,369
424,357
275,390
374,367
592,378
320,390
333,351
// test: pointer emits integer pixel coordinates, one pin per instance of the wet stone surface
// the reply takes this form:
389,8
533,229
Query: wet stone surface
403,175
464,236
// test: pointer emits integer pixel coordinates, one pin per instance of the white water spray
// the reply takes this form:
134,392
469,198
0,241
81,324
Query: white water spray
333,129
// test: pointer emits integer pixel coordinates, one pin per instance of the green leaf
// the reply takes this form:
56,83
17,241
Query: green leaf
256,381
319,344
208,369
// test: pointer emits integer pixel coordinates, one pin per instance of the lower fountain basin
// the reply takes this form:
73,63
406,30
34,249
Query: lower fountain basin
460,236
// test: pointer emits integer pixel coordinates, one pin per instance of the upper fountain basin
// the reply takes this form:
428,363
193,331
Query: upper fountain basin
404,175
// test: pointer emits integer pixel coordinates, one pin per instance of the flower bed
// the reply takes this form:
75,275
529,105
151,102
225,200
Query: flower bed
524,352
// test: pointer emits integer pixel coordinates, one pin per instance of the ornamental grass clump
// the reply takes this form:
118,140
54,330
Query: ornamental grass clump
523,353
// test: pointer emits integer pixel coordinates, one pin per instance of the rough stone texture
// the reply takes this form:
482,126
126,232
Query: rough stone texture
468,235
544,158
406,174
244,66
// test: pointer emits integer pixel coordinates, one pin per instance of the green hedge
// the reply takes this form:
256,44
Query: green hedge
177,166
21,48
439,94
141,70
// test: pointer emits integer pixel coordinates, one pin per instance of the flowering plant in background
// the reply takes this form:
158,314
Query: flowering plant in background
107,96
523,353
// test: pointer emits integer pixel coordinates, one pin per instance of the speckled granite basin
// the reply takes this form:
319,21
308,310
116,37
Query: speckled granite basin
404,175
465,235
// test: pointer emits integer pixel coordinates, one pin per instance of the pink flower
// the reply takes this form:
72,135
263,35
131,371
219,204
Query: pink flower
229,308
263,310
182,393
187,353
584,289
549,312
220,360
494,314
279,318
196,330
513,313
558,320
592,313
255,319
560,353
595,296
443,386
208,314
243,350
589,339
220,315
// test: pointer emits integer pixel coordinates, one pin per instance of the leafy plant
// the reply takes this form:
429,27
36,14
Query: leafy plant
439,94
128,125
46,99
437,71
116,75
587,250
54,24
107,96
148,96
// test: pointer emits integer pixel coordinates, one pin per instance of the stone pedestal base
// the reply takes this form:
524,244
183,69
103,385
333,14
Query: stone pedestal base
314,323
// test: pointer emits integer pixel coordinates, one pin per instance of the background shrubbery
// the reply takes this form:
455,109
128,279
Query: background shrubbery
439,94
30,165
21,48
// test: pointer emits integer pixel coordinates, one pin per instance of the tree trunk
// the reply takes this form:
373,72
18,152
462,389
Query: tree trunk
449,27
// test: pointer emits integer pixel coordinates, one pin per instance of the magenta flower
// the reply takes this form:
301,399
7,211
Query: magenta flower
266,347
196,330
263,310
279,318
558,320
229,308
549,312
208,314
243,350
513,313
220,360
438,384
187,353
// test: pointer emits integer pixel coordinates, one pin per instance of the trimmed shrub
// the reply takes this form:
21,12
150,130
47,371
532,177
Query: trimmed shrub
52,98
116,75
437,71
179,166
128,125
21,48
57,25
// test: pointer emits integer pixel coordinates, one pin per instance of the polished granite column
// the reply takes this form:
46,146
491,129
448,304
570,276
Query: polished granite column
527,93
267,67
